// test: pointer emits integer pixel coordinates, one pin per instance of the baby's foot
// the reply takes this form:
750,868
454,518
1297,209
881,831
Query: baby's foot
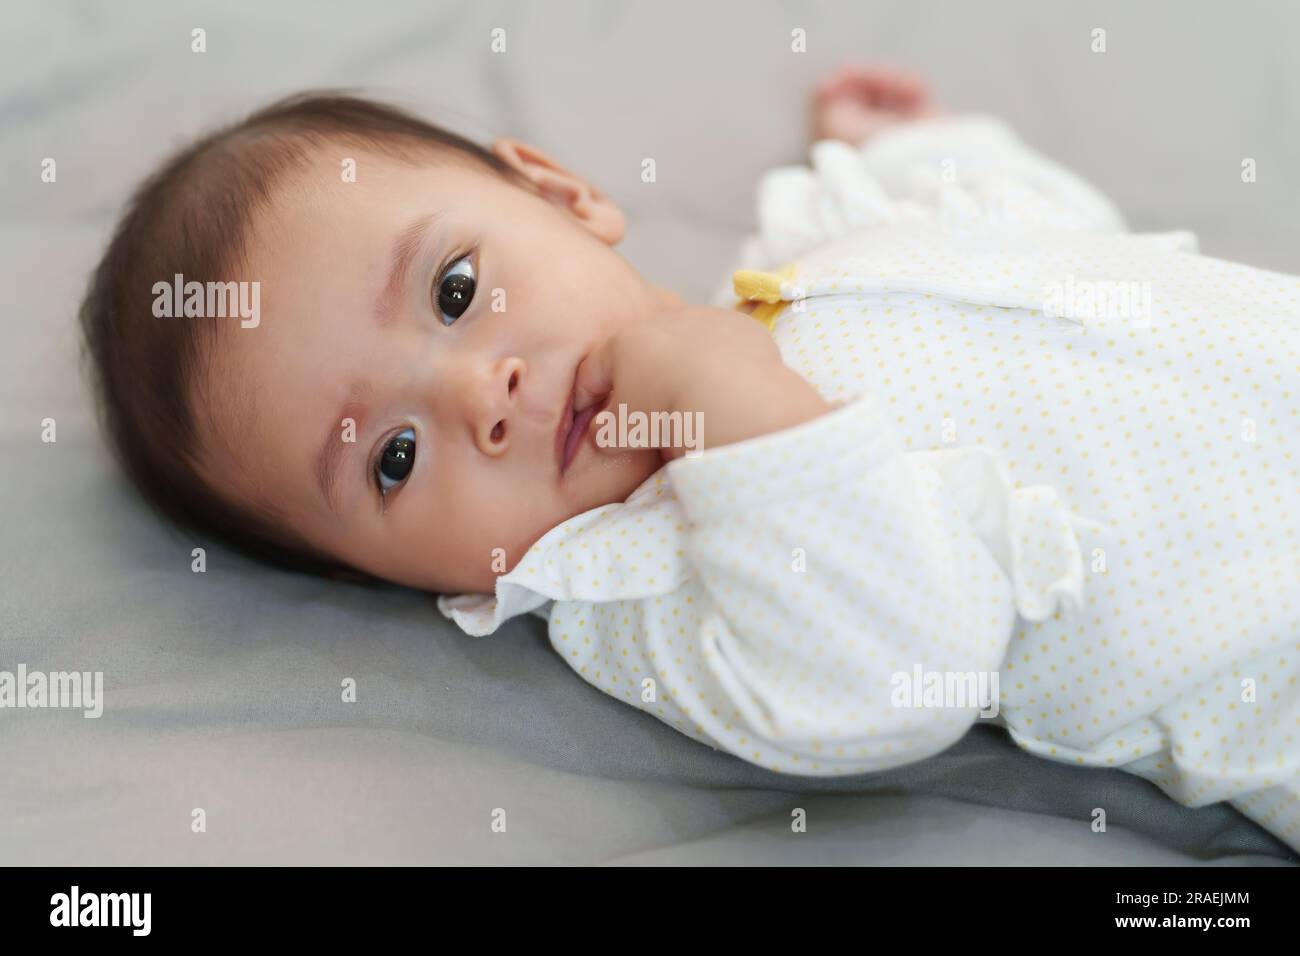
855,103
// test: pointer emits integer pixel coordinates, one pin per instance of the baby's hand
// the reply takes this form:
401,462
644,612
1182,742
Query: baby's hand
717,364
855,103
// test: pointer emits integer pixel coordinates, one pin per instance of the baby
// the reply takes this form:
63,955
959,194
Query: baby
969,448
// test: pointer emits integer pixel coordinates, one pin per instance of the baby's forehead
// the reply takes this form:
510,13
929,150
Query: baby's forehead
345,193
344,170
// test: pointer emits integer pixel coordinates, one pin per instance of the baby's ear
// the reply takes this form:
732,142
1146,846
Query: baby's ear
564,188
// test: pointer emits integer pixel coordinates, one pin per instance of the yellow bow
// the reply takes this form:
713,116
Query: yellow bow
765,288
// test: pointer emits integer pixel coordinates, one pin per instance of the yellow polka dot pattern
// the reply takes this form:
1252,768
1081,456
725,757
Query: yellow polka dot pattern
1104,511
1178,434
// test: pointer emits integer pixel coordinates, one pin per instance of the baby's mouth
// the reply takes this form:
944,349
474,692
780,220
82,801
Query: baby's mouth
572,427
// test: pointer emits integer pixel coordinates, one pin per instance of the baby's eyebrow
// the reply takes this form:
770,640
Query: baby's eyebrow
405,247
333,448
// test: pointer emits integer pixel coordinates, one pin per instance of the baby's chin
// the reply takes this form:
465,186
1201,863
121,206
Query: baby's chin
609,479
613,476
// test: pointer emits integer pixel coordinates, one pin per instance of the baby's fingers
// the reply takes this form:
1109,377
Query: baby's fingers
880,86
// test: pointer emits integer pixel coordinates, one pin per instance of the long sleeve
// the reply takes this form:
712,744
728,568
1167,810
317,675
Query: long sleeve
830,572
934,162
968,174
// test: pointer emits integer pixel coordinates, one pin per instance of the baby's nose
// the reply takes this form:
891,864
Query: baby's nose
501,405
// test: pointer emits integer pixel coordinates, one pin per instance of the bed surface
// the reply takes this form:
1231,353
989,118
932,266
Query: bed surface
223,688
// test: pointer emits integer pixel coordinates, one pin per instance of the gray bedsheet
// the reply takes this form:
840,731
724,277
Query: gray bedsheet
223,689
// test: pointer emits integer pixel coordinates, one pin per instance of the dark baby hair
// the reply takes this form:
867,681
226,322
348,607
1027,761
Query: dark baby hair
191,217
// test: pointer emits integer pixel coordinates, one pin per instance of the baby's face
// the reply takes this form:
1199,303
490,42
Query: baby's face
405,421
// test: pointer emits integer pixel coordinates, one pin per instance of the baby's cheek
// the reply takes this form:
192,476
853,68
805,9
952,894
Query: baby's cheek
487,533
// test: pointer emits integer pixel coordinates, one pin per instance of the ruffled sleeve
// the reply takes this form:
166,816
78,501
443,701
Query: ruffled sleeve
582,559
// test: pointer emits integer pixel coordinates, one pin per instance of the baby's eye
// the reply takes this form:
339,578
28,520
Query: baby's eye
456,289
396,460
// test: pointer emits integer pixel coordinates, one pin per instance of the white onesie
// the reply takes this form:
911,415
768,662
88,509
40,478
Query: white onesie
1063,471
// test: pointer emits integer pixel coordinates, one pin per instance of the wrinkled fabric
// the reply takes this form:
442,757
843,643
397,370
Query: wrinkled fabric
1030,472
